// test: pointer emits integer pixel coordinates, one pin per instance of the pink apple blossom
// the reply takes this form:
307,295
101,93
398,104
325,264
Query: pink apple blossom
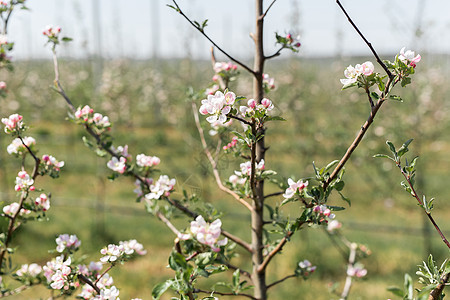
117,164
57,272
246,168
356,270
51,31
2,85
23,181
101,121
17,147
143,160
333,226
43,202
11,209
69,242
224,66
409,57
306,267
268,82
208,234
83,113
252,107
294,187
13,123
51,161
211,90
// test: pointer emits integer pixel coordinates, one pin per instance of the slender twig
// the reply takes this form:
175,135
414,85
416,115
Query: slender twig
277,53
89,282
415,195
212,42
168,223
103,274
350,264
238,241
15,291
355,143
224,294
240,120
233,267
213,162
273,195
281,280
267,10
277,248
437,292
380,62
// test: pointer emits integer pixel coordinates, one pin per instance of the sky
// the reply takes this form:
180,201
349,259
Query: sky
146,28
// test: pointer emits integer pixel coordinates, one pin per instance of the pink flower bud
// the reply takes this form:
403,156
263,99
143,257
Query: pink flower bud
251,103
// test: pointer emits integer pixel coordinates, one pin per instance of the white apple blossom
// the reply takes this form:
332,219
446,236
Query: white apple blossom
217,105
65,241
208,234
23,181
409,57
294,187
162,187
43,202
32,270
117,165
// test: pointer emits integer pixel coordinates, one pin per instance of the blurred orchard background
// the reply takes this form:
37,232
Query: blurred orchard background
135,60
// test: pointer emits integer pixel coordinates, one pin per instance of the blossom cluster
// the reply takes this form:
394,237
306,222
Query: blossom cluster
24,182
42,202
59,273
218,105
268,83
12,209
50,163
231,144
225,70
118,165
253,109
162,187
290,41
323,213
409,57
51,31
353,73
13,124
98,122
356,270
113,253
17,147
67,242
143,160
295,188
207,234
29,270
305,268
246,168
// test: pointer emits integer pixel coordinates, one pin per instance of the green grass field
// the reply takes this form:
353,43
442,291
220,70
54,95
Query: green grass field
148,104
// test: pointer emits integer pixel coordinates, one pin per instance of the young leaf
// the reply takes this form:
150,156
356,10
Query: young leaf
161,288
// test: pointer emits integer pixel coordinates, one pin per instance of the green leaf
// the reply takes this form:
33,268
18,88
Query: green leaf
345,199
276,118
331,165
383,156
375,95
396,291
236,278
404,148
339,186
391,147
335,208
396,98
66,39
161,288
349,85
